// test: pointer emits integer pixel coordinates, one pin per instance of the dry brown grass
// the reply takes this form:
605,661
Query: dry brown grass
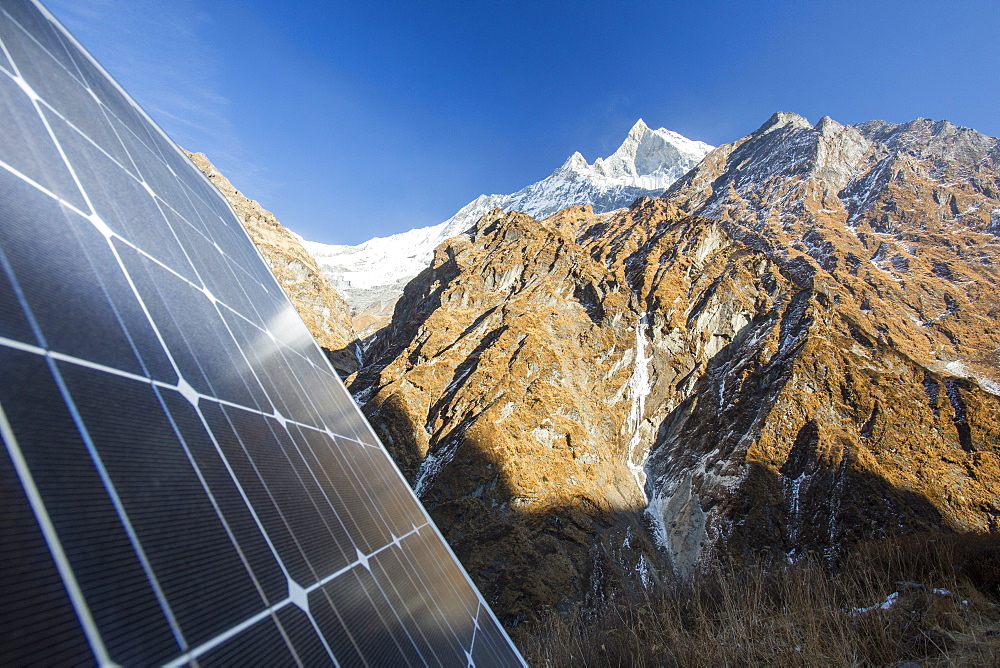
804,614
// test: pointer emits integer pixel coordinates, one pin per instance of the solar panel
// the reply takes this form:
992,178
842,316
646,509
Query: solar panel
184,479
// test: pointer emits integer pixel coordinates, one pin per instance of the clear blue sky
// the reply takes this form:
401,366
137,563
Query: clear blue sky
358,119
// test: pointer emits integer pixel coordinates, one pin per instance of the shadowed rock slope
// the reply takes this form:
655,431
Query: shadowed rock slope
324,311
591,398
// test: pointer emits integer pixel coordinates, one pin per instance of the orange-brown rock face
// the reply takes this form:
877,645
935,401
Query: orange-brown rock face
507,397
325,312
906,217
585,398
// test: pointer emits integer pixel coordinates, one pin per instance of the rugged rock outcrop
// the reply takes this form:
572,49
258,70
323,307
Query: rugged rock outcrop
903,215
324,311
591,398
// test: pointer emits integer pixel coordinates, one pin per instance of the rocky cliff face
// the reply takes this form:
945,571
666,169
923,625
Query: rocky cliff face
905,215
324,311
793,350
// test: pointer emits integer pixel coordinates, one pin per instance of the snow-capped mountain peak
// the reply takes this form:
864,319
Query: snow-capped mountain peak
372,275
651,158
575,162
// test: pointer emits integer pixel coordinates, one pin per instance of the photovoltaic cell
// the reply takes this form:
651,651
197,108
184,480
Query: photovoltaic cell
37,621
184,479
262,644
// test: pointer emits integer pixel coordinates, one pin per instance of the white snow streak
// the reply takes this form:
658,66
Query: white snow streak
889,601
639,387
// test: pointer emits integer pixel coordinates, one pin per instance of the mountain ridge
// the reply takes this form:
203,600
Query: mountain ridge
812,366
371,275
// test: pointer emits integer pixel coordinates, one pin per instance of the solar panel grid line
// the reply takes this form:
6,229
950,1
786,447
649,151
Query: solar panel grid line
334,628
424,589
406,596
497,643
264,644
18,294
366,489
287,640
208,645
487,631
312,620
41,188
317,455
52,539
287,381
182,212
368,532
390,620
344,533
362,621
32,576
33,37
250,458
192,654
209,493
116,502
277,507
481,637
154,292
20,345
392,608
36,99
383,466
475,636
337,533
306,636
437,565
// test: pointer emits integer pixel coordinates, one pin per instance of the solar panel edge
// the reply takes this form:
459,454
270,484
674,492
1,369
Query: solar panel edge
366,437
151,123
135,105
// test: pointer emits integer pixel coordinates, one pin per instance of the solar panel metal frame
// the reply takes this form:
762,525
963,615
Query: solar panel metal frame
184,476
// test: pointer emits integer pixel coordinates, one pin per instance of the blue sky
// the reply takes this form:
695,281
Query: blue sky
358,119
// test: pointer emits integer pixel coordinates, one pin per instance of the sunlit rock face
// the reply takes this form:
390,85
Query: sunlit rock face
812,361
902,214
324,311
